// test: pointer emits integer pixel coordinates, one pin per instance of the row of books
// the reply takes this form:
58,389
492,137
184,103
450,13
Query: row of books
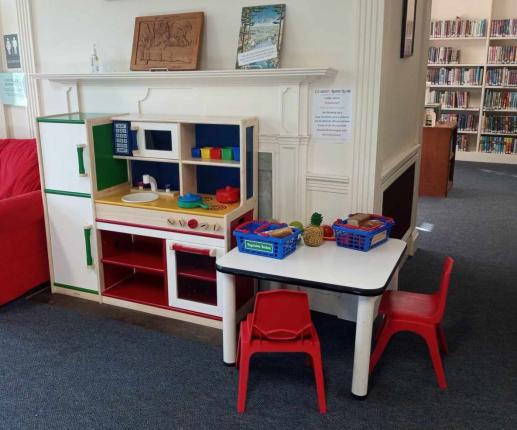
459,28
449,99
455,76
503,27
504,76
502,54
462,142
499,124
500,100
465,121
498,144
443,55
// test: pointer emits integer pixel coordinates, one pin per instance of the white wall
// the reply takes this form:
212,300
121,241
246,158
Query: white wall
13,120
402,85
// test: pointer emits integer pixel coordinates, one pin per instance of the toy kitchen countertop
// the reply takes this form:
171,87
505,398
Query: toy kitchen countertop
170,204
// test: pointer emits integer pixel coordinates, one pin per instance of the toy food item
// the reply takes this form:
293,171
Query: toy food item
357,219
327,231
297,224
279,232
313,233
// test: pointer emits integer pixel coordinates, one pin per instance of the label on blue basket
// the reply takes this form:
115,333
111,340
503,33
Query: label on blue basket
379,237
253,245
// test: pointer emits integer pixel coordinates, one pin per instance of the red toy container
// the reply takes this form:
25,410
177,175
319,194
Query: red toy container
215,153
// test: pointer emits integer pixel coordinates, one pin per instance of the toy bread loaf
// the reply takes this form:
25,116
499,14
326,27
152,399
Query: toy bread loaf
280,232
358,219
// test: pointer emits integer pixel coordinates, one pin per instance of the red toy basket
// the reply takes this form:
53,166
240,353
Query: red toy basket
362,238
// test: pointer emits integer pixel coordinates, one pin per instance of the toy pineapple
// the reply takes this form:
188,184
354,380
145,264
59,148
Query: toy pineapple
313,233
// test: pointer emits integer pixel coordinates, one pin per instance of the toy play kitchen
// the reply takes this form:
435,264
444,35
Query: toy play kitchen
137,216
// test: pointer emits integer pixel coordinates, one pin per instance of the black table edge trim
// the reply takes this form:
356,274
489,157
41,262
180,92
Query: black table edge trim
310,284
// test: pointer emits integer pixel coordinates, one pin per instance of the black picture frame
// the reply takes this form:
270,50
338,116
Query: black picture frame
407,41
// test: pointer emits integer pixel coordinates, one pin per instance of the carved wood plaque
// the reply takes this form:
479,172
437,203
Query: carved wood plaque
169,42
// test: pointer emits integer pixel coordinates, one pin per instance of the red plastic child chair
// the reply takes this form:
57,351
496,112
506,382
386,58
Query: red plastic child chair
418,313
280,322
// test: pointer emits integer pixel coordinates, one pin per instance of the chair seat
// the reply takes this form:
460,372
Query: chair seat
411,306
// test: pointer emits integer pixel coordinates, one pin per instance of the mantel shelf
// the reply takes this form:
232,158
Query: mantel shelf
205,77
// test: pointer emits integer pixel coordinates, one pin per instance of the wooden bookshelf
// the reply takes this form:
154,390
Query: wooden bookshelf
474,53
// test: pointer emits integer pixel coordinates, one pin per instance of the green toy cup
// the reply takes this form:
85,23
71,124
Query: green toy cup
227,153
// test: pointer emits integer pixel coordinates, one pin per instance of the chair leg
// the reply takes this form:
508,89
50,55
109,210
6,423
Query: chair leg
384,337
434,350
243,380
320,382
441,339
238,355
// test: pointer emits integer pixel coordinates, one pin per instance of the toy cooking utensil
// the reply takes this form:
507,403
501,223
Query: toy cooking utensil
191,201
228,194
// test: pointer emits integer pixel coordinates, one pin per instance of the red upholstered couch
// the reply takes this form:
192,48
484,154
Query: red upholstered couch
23,247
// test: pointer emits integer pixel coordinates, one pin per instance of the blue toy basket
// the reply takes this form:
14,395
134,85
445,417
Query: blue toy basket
251,241
362,238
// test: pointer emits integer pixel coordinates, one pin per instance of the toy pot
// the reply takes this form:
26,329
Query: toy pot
196,153
215,153
205,152
228,194
227,153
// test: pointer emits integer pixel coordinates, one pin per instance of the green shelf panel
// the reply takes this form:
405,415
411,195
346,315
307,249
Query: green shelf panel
110,171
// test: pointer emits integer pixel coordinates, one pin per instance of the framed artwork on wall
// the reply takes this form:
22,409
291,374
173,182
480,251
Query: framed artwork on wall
408,28
169,42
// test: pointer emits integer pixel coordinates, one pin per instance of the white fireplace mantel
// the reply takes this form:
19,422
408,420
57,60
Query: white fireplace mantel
230,76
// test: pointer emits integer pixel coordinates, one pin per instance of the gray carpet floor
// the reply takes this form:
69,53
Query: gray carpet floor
64,369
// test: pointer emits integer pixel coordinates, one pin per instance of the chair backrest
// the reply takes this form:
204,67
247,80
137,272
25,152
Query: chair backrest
281,315
441,294
19,172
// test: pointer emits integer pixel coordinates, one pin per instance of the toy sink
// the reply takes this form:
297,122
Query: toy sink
144,197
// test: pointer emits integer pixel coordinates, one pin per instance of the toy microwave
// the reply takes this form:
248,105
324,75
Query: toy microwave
146,139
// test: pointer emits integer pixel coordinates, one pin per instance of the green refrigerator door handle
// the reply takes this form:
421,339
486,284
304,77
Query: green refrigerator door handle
80,160
88,245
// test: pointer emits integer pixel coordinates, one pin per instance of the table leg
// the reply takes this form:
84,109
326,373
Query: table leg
363,344
229,323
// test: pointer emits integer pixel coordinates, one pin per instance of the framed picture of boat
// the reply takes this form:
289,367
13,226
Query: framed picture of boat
260,37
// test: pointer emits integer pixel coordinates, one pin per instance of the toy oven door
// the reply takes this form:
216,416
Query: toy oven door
192,277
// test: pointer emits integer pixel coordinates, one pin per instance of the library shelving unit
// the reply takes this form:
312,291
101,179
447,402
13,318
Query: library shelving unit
480,143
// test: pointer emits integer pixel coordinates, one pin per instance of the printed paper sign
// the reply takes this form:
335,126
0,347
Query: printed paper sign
332,114
12,51
12,89
257,54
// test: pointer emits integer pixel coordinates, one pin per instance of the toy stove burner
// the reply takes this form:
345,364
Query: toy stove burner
213,207
217,207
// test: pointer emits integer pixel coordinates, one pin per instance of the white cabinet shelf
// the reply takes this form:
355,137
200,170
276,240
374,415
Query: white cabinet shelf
218,163
160,160
232,77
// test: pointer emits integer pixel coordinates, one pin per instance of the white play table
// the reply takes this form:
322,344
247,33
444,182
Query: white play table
328,267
